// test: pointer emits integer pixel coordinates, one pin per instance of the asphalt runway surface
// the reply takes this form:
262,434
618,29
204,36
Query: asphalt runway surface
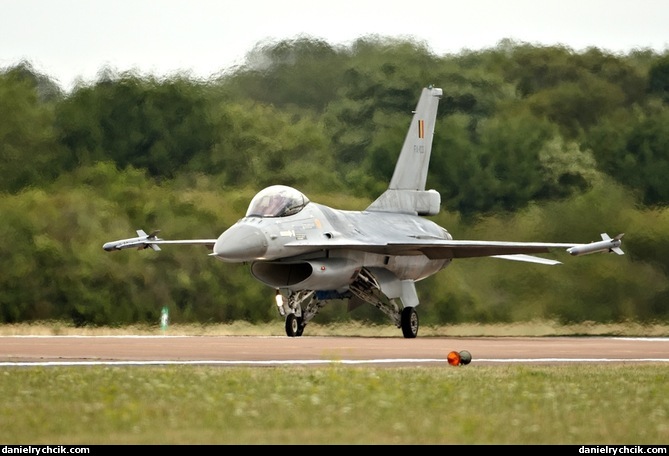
318,351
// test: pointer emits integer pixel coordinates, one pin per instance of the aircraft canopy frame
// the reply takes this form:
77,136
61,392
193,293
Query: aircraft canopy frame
277,201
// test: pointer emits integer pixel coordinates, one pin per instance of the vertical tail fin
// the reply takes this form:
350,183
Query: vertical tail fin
406,192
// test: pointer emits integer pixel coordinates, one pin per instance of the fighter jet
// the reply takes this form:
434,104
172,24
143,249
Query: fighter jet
311,254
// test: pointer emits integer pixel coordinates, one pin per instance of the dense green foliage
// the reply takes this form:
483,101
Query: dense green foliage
619,404
531,143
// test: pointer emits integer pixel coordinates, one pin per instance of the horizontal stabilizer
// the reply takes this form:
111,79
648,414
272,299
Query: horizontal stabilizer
528,259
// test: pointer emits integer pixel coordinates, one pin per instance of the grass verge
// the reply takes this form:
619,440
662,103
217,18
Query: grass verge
517,404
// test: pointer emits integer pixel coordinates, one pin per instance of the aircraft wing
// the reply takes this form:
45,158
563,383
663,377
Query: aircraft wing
444,249
439,249
151,241
471,249
450,249
206,242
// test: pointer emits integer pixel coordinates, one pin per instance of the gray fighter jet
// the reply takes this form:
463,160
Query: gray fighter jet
310,253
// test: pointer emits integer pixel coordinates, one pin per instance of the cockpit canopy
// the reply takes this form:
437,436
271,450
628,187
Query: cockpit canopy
277,201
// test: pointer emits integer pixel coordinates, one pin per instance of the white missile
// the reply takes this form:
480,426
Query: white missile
143,241
605,245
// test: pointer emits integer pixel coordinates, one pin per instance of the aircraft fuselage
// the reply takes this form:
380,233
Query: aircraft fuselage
323,248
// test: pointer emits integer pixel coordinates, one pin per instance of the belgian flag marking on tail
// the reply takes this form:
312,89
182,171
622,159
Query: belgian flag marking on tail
421,129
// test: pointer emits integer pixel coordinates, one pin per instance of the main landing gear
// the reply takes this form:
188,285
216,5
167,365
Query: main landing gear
409,322
300,307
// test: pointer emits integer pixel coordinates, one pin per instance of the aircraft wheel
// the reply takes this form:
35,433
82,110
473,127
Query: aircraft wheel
409,320
294,326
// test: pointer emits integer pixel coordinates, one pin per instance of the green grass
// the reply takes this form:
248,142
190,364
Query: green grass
516,404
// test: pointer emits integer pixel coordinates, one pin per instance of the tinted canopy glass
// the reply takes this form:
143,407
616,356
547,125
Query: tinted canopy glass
277,201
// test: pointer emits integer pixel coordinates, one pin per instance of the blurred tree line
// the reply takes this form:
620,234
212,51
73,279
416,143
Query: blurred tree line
531,143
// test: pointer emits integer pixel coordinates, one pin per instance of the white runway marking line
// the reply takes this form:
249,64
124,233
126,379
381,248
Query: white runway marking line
323,362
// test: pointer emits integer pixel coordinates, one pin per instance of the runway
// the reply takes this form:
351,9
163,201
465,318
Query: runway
315,351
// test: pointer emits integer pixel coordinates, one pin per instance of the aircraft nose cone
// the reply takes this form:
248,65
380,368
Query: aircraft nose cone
240,243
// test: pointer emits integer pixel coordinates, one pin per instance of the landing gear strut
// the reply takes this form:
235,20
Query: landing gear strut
300,307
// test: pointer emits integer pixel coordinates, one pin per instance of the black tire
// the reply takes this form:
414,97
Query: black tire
294,326
409,320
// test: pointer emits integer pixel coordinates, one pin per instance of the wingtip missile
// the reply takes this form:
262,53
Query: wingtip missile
605,245
140,242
